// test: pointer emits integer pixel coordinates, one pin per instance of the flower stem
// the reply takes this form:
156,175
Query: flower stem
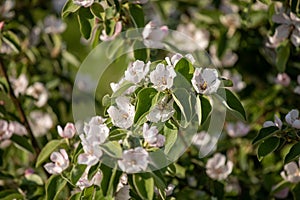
19,109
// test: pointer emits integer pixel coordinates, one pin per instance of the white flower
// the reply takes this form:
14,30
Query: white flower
39,92
290,27
277,122
291,172
153,36
238,129
228,59
236,79
292,118
161,112
84,182
217,169
152,137
116,86
19,85
17,128
40,123
118,29
84,3
54,25
122,115
134,160
68,132
297,88
5,132
232,22
283,79
205,81
95,134
60,162
162,77
205,142
176,57
137,71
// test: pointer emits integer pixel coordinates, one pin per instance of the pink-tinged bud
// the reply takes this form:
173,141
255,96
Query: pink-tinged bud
68,132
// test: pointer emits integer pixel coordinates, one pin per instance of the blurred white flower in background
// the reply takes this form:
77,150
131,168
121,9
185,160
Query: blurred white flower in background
232,22
228,59
217,168
297,88
58,5
134,160
277,122
122,115
238,129
152,137
118,29
17,128
205,142
54,25
60,162
291,172
84,3
40,123
137,71
161,112
162,77
39,92
19,84
236,78
6,9
5,132
205,80
292,118
68,132
283,79
153,35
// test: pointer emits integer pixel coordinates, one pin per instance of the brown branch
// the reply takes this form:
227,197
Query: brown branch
20,110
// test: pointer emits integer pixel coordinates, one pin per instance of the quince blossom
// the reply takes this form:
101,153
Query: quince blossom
152,137
161,112
162,77
137,71
205,142
60,162
19,85
292,118
217,169
291,172
40,123
277,122
84,3
205,80
39,92
134,160
68,132
283,79
84,182
153,36
238,129
122,115
5,132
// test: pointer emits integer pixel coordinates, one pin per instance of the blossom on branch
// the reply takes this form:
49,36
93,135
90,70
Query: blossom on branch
292,118
277,122
153,36
291,172
134,160
205,80
68,132
60,162
152,137
162,77
161,112
137,71
217,168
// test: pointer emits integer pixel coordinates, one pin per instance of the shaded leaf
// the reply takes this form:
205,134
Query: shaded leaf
267,146
47,150
264,133
293,154
23,142
54,186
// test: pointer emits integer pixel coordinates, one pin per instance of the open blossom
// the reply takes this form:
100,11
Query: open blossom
134,160
161,112
205,80
19,85
152,137
176,57
84,3
153,36
5,132
84,182
238,129
217,168
122,115
297,88
95,134
39,92
205,142
118,29
162,77
40,123
289,27
283,79
291,172
60,162
277,122
137,71
292,118
68,132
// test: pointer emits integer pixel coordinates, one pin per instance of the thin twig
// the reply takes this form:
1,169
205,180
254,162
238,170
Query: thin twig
20,110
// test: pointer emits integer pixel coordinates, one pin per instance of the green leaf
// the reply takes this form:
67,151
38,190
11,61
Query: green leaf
144,185
137,15
267,146
232,102
171,137
22,141
113,149
117,134
267,2
293,154
10,194
296,192
88,193
205,108
283,54
54,186
84,16
185,68
69,8
264,133
140,51
97,9
181,97
280,186
227,82
77,172
47,150
110,180
144,102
